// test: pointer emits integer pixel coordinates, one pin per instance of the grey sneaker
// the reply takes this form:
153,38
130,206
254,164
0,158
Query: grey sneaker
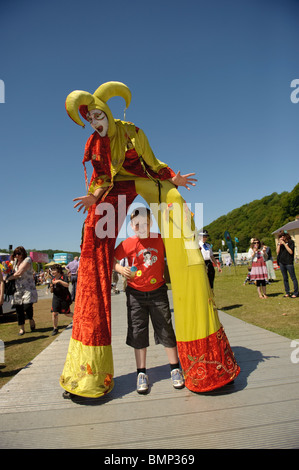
142,383
54,332
177,378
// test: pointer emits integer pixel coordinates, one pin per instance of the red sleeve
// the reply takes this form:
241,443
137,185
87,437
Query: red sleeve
119,252
166,174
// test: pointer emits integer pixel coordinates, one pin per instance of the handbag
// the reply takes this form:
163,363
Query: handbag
9,288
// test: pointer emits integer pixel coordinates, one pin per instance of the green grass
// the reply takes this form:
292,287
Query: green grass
276,313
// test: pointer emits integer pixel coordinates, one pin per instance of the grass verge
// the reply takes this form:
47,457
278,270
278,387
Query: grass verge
277,314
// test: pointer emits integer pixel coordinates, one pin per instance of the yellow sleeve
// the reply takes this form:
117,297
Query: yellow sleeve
143,148
99,183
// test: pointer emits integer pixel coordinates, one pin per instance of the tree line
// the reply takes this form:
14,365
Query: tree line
259,218
49,252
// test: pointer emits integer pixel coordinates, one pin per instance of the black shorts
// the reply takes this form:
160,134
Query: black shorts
260,282
60,305
142,305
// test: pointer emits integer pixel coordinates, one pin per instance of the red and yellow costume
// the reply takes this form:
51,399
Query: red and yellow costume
124,163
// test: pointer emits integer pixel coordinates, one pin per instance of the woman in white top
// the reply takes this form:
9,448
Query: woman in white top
26,293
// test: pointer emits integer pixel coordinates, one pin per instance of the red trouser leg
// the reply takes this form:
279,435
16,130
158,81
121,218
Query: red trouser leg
92,315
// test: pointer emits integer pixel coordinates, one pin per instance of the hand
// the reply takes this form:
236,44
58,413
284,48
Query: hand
126,272
183,180
85,202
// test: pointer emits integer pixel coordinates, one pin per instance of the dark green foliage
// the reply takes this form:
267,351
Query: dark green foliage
258,219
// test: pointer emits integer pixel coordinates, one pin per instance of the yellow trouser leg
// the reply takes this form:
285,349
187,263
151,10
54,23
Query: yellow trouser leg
196,316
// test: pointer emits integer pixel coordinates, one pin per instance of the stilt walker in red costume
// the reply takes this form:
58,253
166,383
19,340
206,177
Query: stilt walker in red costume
124,166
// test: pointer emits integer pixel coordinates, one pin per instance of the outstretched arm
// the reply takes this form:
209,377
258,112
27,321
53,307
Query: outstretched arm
87,201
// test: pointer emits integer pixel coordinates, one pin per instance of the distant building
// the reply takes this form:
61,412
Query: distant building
63,258
293,230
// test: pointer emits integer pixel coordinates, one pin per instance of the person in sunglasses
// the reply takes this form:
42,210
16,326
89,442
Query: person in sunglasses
26,294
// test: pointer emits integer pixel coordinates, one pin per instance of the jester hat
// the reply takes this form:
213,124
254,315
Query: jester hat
84,101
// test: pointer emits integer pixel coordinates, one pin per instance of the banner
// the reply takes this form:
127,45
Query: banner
38,257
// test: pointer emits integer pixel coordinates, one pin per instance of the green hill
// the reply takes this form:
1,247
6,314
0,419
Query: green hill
258,218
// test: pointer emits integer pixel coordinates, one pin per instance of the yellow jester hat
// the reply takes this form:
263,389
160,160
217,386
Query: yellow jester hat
83,101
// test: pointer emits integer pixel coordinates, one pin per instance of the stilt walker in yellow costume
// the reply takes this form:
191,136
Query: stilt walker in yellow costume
124,166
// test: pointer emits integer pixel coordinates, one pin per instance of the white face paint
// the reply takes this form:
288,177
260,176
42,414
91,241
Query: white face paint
98,121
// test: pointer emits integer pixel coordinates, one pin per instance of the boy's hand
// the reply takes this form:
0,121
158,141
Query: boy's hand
126,272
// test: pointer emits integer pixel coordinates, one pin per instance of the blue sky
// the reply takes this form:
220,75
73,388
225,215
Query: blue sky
210,85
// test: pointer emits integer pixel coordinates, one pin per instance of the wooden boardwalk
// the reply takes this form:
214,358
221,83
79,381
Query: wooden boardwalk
260,410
